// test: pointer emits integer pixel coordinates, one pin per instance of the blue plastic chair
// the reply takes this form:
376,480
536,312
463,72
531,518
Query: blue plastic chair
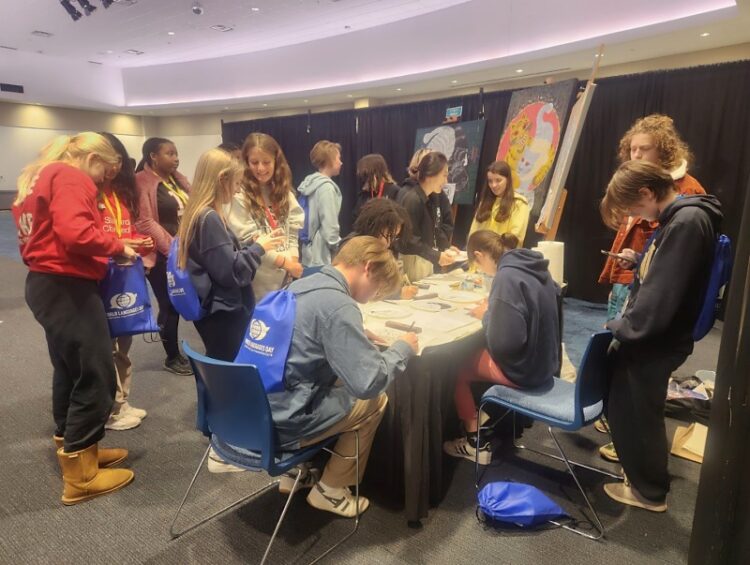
233,411
564,405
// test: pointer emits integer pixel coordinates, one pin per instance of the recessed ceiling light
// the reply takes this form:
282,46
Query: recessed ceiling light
109,51
399,89
170,33
265,105
134,52
705,34
253,9
44,34
519,70
306,100
454,82
222,28
350,96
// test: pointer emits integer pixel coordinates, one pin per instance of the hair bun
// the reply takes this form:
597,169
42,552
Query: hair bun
509,241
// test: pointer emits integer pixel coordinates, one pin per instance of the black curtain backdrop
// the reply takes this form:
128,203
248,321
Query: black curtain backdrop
708,103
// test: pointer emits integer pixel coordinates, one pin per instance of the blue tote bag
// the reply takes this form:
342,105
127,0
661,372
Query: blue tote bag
182,293
126,300
268,338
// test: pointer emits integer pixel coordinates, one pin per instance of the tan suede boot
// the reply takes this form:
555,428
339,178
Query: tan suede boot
82,478
108,456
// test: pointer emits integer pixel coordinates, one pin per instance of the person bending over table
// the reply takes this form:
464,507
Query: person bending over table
335,377
522,328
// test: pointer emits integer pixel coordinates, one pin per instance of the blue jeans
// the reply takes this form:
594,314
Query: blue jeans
617,299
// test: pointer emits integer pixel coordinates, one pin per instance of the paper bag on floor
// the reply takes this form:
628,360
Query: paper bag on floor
690,442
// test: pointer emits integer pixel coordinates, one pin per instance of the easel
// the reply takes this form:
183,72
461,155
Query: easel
544,226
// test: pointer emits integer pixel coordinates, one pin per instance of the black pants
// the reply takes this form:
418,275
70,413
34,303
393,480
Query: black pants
635,411
83,384
222,333
168,318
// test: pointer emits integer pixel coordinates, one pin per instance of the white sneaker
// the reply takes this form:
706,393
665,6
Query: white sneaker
338,501
217,465
120,422
133,411
461,447
310,477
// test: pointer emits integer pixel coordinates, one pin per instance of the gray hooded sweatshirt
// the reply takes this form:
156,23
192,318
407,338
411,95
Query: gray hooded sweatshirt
324,204
331,363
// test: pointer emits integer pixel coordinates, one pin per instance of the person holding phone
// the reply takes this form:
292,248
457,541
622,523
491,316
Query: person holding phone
654,336
267,203
220,268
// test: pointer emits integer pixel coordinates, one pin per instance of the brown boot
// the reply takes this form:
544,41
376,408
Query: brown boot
108,456
82,478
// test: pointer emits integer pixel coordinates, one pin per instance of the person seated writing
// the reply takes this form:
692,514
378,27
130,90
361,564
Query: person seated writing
522,329
335,377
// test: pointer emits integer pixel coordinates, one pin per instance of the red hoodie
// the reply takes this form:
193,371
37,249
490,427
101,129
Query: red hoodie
60,229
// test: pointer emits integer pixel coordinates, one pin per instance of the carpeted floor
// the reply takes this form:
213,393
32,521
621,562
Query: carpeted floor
132,526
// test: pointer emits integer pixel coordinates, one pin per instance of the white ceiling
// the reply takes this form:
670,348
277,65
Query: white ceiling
295,51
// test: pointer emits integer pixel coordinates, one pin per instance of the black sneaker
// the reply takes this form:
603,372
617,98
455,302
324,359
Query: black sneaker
465,447
178,365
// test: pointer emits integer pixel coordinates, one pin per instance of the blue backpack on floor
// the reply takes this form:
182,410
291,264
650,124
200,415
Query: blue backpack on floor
516,504
126,301
721,271
268,338
182,293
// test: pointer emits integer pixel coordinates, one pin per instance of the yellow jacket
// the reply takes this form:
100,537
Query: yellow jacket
515,224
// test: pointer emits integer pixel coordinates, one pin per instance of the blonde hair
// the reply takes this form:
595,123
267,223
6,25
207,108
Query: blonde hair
215,168
323,153
670,146
281,183
413,170
365,249
72,150
624,189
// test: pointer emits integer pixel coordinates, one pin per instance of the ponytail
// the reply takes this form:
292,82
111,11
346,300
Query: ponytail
66,149
491,243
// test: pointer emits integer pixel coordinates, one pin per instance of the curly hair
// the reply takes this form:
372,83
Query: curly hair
281,183
381,216
671,147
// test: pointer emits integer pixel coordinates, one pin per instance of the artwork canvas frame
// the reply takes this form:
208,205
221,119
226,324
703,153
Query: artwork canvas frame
462,144
534,127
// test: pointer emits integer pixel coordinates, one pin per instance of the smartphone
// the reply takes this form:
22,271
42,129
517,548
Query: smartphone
616,256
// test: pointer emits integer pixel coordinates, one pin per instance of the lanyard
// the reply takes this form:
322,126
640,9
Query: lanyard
271,218
380,192
116,213
175,189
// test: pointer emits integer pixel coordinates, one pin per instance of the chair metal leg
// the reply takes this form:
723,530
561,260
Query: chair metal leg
558,458
176,534
598,524
356,497
281,518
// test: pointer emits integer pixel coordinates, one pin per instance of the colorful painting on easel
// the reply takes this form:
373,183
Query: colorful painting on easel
461,143
533,129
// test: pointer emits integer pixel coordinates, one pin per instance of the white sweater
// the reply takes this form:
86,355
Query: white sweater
247,227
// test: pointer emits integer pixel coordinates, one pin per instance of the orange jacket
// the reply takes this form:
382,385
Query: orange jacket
634,232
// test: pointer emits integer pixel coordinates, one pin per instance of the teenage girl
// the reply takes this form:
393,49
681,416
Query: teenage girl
522,329
63,243
221,270
267,203
162,197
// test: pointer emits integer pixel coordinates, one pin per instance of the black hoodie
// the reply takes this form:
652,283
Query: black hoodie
522,322
667,294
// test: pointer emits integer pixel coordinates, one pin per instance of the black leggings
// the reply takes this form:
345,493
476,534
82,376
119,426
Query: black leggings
168,318
83,383
222,333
